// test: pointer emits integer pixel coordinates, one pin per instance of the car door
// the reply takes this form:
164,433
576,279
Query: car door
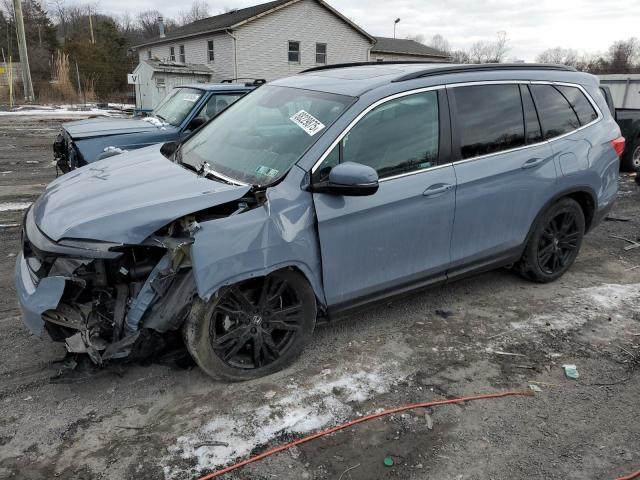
504,169
375,245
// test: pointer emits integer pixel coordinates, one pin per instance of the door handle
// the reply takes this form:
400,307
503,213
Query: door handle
437,189
532,162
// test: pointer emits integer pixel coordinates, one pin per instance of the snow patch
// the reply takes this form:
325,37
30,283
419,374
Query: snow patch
324,401
609,299
13,206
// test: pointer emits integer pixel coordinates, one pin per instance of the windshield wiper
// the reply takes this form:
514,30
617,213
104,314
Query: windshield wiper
159,116
205,170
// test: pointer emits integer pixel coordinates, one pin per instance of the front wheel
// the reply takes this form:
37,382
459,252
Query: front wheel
253,328
554,243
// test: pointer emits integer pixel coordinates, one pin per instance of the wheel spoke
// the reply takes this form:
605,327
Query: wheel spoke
234,334
228,310
241,299
257,350
233,350
270,347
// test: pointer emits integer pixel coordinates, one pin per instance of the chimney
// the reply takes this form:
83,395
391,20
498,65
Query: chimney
161,27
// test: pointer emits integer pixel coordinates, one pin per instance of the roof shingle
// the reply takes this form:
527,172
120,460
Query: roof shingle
408,47
218,22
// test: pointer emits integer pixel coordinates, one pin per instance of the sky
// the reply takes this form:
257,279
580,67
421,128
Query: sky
531,25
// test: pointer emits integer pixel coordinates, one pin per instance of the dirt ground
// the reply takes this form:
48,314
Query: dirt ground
158,421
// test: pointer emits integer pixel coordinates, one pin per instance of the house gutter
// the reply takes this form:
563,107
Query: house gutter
235,53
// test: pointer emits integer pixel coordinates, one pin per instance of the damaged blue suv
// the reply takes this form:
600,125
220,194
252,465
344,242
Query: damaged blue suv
315,195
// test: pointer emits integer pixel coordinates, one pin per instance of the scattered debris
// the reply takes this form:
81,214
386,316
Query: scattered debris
129,428
211,444
429,420
348,470
571,371
9,225
509,354
444,313
613,218
633,243
535,388
388,462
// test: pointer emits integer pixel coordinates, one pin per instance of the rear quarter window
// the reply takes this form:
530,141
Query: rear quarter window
583,108
490,118
557,116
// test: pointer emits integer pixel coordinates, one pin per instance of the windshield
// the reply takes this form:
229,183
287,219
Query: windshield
258,139
177,105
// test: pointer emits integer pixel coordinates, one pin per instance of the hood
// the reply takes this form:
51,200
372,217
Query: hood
103,127
126,198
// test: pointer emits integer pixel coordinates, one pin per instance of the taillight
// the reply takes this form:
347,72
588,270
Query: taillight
618,145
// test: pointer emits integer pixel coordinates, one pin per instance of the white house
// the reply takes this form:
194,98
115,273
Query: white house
156,78
268,41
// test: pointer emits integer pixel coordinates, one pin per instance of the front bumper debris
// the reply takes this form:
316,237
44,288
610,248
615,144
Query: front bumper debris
99,301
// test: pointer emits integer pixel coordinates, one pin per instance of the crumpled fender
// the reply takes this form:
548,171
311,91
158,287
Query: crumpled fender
34,300
281,233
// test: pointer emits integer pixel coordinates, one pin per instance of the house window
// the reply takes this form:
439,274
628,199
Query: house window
182,55
210,55
321,53
172,54
379,60
294,51
148,54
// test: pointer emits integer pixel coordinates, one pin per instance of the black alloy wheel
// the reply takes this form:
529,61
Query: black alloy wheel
558,243
253,328
554,242
255,323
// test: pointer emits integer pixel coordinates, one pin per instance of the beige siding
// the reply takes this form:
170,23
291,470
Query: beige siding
389,57
263,43
196,52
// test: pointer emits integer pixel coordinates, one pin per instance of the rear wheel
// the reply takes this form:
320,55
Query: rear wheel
631,157
554,243
253,328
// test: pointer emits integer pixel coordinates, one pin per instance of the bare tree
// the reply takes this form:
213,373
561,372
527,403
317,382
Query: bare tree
416,38
624,55
198,11
440,43
560,56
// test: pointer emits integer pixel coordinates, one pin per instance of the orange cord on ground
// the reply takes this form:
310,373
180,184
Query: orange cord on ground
525,393
630,477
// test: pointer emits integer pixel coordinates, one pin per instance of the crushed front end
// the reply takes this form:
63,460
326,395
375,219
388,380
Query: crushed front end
107,300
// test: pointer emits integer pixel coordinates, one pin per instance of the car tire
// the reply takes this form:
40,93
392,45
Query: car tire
554,242
630,161
252,329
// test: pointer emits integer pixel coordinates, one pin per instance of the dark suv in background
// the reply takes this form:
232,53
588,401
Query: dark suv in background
182,111
314,195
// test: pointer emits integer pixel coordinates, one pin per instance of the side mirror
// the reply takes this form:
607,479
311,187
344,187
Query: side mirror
350,179
196,123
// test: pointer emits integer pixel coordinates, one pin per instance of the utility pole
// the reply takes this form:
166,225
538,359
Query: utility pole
93,40
22,48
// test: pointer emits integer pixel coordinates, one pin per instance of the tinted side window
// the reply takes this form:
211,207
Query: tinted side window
556,115
490,118
399,136
531,123
580,104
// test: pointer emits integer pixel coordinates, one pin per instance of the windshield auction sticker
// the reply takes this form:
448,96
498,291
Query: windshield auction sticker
307,122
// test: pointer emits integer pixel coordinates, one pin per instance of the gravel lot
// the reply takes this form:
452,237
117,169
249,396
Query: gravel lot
157,421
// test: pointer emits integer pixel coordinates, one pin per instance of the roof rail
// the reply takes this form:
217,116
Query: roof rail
361,64
255,81
484,67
